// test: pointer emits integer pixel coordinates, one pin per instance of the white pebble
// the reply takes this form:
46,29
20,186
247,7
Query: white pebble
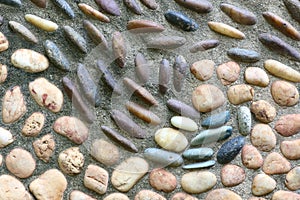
184,123
5,137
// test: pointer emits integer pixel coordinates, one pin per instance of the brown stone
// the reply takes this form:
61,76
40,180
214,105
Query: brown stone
262,184
251,157
288,125
4,44
96,179
203,69
44,147
33,124
222,194
232,175
284,93
162,180
263,111
256,76
105,152
262,137
239,94
228,72
77,195
276,164
148,194
3,73
285,195
292,179
291,149
144,26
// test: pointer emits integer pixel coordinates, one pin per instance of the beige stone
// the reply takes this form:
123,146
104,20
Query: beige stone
33,124
71,161
276,164
281,70
44,147
96,179
263,184
162,180
263,111
4,44
203,69
222,194
239,94
284,93
288,125
41,23
262,137
3,73
232,175
6,137
171,139
105,152
228,72
77,195
192,182
292,179
285,195
256,76
291,149
182,196
148,194
116,196
12,189
251,157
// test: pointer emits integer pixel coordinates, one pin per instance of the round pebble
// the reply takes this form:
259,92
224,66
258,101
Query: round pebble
203,69
251,157
44,147
263,184
276,164
244,120
12,189
262,137
232,175
77,195
105,152
148,194
20,163
71,161
171,139
263,111
162,180
193,183
3,73
182,196
96,179
285,195
6,137
116,196
288,125
284,93
292,179
291,149
228,72
239,94
256,76
222,194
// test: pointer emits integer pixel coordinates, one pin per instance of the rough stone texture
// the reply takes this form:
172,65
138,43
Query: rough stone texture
33,124
222,194
228,72
291,149
203,69
192,182
44,147
71,161
96,179
263,111
162,180
284,93
105,152
12,189
276,164
292,179
251,157
232,175
262,137
148,194
288,125
256,76
262,184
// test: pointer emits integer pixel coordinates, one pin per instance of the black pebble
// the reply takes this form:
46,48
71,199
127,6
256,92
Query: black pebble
181,21
230,149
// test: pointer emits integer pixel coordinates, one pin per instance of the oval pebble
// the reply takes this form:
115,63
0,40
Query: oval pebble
204,45
239,94
230,149
244,120
12,188
203,69
263,111
151,4
181,20
119,49
200,165
232,175
162,180
44,147
226,30
142,70
212,135
239,15
256,76
13,3
164,75
71,161
4,43
184,123
251,157
290,149
281,70
77,195
197,154
216,120
276,164
148,194
179,72
105,152
293,6
116,196
288,125
75,38
95,34
109,6
93,13
33,124
171,139
286,195
166,42
243,55
133,6
40,3
262,184
41,23
284,93
162,157
23,31
144,26
262,137
96,179
202,6
65,7
183,109
182,196
193,183
143,113
228,72
222,194
3,73
292,179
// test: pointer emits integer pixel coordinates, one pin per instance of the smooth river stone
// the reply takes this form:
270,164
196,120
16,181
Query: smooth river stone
200,165
6,137
197,154
203,69
212,135
292,179
216,120
262,137
291,149
282,71
263,111
226,30
46,94
148,194
263,184
243,55
162,157
276,164
3,73
77,195
251,157
228,72
285,195
96,179
230,149
128,173
184,123
239,94
116,196
288,125
202,6
284,93
183,109
232,175
182,196
244,120
41,23
105,152
256,76
192,182
239,15
293,6
162,180
222,194
4,44
181,21
23,31
171,139
13,189
207,97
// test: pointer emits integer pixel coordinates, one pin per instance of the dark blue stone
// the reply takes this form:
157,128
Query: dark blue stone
181,21
65,7
216,120
230,149
13,3
243,55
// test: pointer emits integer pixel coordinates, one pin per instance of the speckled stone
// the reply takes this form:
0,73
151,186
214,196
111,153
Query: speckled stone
251,157
71,161
203,69
44,147
96,179
182,196
222,194
288,125
148,194
33,124
162,180
284,93
262,137
116,196
292,179
105,152
263,111
171,139
276,164
285,195
230,149
256,76
192,182
244,120
232,175
291,149
13,189
228,72
77,195
263,184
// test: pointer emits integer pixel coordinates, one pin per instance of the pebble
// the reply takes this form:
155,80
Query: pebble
263,111
204,45
181,21
286,195
65,7
281,70
162,157
230,149
182,196
119,138
44,147
6,137
3,73
292,179
290,149
96,179
251,157
148,194
262,137
56,56
1,159
4,44
197,154
166,42
284,93
46,94
93,13
23,31
88,86
262,184
41,23
293,6
142,68
179,72
202,6
162,180
95,34
75,96
29,60
13,189
232,175
171,139
77,195
256,76
243,55
133,6
20,163
13,3
76,38
228,72
288,125
216,120
200,165
244,120
13,105
282,25
239,94
1,20
33,124
207,97
71,161
212,135
128,173
276,164
143,113
164,75
222,194
184,123
40,3
239,15
140,91
151,4
279,46
226,30
72,128
128,125
116,196
109,6
193,183
119,49
105,152
183,109
203,69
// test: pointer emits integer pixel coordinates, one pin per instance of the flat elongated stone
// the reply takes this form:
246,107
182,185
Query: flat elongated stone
293,6
276,164
263,111
204,45
282,25
243,55
134,6
216,120
222,194
290,149
41,23
251,157
13,105
232,175
192,182
228,72
200,165
71,161
6,137
109,6
128,173
182,196
23,31
256,76
4,44
239,94
65,7
200,6
56,56
203,69
40,3
77,195
164,75
179,72
230,149
181,21
76,38
288,125
226,30
29,60
13,189
148,194
239,15
212,135
105,152
3,73
262,137
166,42
286,195
96,179
128,125
262,184
171,139
244,120
93,13
12,3
144,26
151,4
183,109
162,157
281,70
119,49
292,179
284,93
142,68
95,34
33,124
184,123
44,147
162,180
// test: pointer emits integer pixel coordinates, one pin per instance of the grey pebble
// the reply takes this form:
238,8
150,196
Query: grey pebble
23,31
183,109
65,7
142,68
164,75
200,165
95,34
166,42
134,6
216,120
230,149
243,55
13,3
179,72
244,120
76,38
204,45
203,153
165,158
